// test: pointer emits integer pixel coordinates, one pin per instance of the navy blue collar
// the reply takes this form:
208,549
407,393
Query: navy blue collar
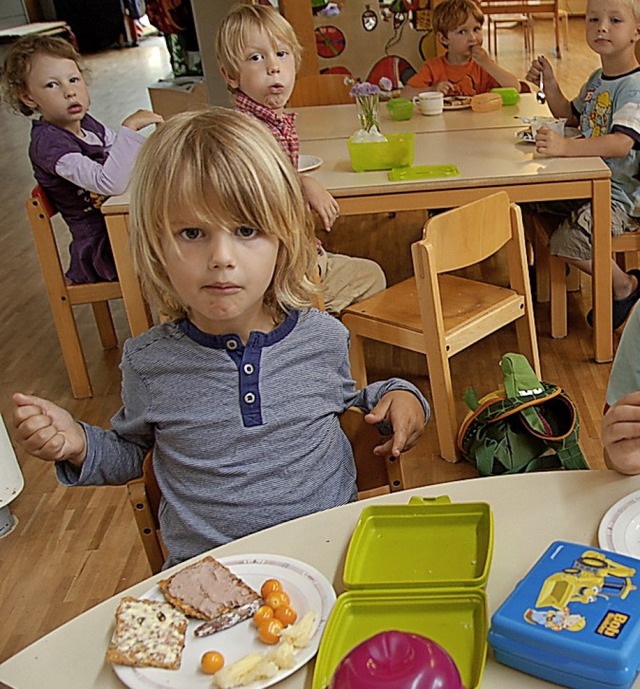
256,338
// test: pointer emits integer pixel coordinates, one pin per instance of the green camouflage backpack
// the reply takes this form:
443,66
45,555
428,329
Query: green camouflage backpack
529,425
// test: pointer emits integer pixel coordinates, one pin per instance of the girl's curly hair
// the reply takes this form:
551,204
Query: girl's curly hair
18,63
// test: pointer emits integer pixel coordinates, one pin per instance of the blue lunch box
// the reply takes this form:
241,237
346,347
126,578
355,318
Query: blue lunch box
574,619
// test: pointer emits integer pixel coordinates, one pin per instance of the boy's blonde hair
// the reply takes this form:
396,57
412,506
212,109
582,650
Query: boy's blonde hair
233,35
19,59
211,160
634,6
450,14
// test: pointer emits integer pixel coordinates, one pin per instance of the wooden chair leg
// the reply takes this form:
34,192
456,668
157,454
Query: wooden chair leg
541,265
356,355
558,280
72,351
104,321
444,405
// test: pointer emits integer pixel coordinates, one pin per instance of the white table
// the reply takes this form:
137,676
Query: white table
530,511
340,121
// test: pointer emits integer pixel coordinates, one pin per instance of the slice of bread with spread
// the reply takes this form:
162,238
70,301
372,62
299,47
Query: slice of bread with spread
207,590
148,633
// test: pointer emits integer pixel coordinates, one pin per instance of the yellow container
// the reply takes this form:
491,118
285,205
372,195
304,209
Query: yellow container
397,151
486,102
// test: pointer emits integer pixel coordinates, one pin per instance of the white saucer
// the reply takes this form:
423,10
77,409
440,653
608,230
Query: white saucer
619,529
308,163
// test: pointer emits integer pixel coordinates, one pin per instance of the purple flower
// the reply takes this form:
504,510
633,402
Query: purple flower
364,88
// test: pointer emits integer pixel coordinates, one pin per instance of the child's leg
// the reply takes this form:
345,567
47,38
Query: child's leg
347,279
623,283
572,241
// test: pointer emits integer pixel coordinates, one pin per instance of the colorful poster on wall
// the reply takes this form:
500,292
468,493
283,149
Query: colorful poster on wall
369,40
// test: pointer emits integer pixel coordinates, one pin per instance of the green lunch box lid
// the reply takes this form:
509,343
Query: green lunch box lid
457,620
509,95
425,544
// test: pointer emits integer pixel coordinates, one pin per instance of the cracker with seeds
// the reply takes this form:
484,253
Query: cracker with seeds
148,633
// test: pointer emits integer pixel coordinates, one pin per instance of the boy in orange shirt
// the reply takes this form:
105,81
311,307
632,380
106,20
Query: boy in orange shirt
466,68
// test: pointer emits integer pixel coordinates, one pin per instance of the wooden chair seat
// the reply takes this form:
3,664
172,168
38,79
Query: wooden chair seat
63,296
469,303
375,475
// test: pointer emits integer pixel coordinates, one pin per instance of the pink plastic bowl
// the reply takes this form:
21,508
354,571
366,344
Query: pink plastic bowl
397,660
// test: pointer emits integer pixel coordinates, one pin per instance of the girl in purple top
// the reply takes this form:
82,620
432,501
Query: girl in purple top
77,161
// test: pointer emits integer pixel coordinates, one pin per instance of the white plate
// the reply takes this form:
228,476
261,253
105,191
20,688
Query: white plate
620,527
308,163
448,105
308,589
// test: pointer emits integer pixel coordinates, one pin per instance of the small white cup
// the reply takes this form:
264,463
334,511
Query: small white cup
556,124
429,102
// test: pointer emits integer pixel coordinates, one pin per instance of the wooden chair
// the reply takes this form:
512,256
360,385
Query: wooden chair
320,89
375,475
63,296
439,314
528,8
553,282
497,21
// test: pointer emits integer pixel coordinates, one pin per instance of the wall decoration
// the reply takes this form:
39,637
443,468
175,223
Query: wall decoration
374,38
330,41
369,19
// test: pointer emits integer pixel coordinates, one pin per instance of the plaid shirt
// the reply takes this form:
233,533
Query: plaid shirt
282,127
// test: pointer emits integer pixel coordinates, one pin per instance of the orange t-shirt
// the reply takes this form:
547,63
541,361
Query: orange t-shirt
468,79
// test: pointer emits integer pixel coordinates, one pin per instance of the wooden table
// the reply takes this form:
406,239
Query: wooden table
562,505
489,160
340,121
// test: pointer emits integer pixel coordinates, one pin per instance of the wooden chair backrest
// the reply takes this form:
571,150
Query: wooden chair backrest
467,235
375,475
320,89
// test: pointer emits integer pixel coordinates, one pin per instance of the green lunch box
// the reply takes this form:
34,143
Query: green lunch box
509,95
420,568
397,151
400,108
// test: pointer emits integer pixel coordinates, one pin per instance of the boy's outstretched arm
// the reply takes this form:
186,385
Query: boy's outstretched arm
47,431
403,411
320,201
621,435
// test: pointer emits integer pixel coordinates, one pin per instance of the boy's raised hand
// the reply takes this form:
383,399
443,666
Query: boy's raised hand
540,65
47,431
403,411
141,119
320,201
620,433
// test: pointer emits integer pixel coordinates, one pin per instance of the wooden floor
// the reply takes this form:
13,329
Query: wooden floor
73,548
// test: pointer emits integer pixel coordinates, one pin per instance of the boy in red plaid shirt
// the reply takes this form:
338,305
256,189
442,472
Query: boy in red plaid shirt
258,54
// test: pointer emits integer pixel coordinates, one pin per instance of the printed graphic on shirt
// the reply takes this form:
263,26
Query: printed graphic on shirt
597,113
